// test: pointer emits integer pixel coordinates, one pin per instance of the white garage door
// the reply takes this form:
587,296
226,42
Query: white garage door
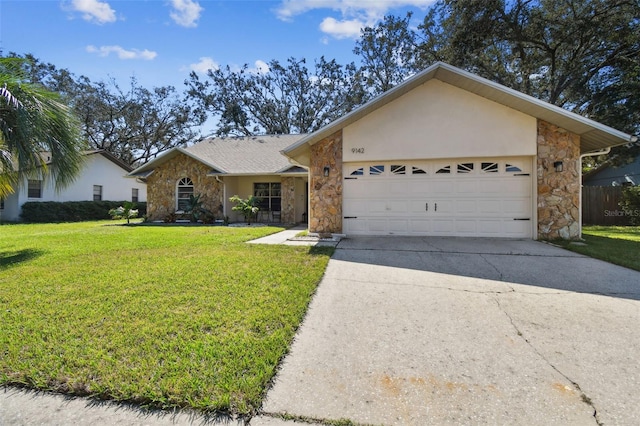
464,197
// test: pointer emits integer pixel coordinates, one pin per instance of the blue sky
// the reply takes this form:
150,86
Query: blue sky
161,41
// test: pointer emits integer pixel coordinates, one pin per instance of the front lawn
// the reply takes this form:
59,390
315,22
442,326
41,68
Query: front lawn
163,316
615,244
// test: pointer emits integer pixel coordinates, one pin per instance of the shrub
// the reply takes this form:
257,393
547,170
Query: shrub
71,211
248,208
126,211
630,203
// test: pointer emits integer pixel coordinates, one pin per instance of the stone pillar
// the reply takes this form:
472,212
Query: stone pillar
325,215
558,192
161,187
288,202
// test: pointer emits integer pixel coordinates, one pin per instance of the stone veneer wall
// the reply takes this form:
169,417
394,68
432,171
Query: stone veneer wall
325,215
558,193
288,207
162,185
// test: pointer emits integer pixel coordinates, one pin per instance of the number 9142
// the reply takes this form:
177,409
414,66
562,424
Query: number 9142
357,150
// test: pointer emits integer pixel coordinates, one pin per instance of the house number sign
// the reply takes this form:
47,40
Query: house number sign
357,150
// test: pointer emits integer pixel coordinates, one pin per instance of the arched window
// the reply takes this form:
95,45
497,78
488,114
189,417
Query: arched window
183,192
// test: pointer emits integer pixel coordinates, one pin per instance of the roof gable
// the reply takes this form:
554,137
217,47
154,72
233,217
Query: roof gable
250,155
594,135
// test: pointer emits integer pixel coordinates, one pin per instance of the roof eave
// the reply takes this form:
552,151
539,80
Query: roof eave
254,174
168,156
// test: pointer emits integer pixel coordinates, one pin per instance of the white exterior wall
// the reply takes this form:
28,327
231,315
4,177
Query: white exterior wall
11,211
437,120
97,170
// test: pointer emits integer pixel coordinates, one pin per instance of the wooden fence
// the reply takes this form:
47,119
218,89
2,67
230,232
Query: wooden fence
600,206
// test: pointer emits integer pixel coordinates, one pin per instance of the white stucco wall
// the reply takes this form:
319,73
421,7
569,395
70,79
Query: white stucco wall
97,170
437,120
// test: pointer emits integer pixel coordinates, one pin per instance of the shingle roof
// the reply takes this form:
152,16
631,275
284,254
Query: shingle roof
249,155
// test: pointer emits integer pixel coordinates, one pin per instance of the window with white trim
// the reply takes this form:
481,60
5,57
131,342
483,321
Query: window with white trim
34,188
97,192
134,195
268,195
184,191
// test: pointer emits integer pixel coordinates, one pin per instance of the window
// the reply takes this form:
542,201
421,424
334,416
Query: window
417,171
490,167
465,167
97,192
269,195
358,172
185,191
398,170
444,170
134,195
376,170
34,189
513,169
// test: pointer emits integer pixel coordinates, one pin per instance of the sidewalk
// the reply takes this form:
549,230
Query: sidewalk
20,407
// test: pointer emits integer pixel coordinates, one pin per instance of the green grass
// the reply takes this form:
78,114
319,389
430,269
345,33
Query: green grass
176,316
614,244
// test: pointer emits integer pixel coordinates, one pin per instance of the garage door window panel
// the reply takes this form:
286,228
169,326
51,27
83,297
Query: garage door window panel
489,167
357,172
398,170
376,170
465,167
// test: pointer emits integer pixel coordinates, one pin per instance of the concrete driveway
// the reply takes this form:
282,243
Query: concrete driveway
465,331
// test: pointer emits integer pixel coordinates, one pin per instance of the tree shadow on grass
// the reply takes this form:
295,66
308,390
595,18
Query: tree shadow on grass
9,259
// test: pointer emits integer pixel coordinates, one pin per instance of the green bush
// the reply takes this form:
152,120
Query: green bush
72,211
630,203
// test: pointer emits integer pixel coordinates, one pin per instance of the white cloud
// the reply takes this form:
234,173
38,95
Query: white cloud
122,53
186,12
341,29
94,10
290,8
353,13
204,65
260,67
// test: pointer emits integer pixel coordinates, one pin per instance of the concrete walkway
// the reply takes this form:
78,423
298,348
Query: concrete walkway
290,237
413,331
